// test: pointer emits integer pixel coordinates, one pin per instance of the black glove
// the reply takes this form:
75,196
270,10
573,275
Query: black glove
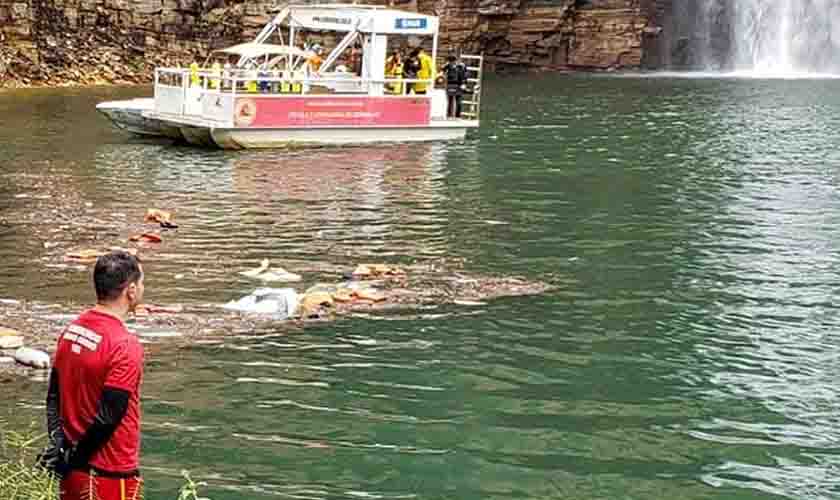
56,457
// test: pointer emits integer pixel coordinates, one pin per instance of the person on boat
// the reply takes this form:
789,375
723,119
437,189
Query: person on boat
227,71
455,75
93,398
426,71
315,60
263,84
394,71
195,80
410,69
216,71
355,61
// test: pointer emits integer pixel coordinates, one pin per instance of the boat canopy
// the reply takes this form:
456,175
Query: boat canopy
362,18
254,50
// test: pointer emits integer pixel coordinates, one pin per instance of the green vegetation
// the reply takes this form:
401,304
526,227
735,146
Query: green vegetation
189,491
20,477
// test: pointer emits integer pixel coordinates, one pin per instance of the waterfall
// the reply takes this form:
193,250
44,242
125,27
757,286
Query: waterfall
753,37
781,37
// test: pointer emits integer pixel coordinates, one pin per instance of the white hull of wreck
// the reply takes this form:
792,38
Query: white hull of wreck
129,116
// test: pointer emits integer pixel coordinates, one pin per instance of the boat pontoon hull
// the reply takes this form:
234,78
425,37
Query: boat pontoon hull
129,116
231,138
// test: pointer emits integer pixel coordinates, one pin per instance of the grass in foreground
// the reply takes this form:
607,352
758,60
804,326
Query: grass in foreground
22,479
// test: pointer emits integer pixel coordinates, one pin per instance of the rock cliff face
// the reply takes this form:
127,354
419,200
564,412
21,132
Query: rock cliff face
55,42
554,34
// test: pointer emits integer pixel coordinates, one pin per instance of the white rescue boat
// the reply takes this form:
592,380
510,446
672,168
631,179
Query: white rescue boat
275,96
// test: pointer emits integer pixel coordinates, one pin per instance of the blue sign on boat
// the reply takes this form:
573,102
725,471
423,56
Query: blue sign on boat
411,24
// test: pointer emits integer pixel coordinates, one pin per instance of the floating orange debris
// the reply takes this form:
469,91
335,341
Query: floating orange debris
146,238
144,309
312,303
162,217
369,294
87,256
376,270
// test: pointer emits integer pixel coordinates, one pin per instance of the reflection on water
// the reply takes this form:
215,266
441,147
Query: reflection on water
772,248
689,351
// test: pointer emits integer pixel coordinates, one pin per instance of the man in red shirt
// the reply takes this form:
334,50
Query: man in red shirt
93,401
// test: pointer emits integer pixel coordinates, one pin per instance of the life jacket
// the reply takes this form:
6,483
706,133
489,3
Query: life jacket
251,84
195,81
394,71
217,71
297,86
456,74
427,69
315,62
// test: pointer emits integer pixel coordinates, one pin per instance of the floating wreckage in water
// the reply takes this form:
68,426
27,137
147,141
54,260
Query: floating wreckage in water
379,286
146,238
32,357
161,217
263,273
89,256
279,302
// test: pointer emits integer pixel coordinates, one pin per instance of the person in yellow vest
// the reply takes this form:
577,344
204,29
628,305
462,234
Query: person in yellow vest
394,70
426,72
216,70
195,81
251,85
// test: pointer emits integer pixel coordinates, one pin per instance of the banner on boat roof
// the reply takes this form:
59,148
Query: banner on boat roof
380,21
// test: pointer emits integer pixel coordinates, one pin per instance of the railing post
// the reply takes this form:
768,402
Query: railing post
184,92
233,102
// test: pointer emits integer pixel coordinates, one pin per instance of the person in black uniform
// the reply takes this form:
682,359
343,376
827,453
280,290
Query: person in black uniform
455,73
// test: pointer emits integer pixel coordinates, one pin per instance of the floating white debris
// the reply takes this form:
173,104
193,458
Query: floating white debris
279,275
160,334
470,303
252,273
11,341
263,273
278,301
32,357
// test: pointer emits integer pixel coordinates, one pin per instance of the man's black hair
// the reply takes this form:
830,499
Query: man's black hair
113,272
450,58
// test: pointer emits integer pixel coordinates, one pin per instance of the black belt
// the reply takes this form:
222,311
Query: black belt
110,474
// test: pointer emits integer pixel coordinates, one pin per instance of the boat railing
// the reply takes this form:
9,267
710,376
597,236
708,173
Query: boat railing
224,82
211,94
475,74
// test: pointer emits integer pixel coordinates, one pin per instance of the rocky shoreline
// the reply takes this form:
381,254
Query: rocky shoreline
96,59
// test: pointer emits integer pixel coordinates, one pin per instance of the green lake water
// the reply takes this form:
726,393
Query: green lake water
690,349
